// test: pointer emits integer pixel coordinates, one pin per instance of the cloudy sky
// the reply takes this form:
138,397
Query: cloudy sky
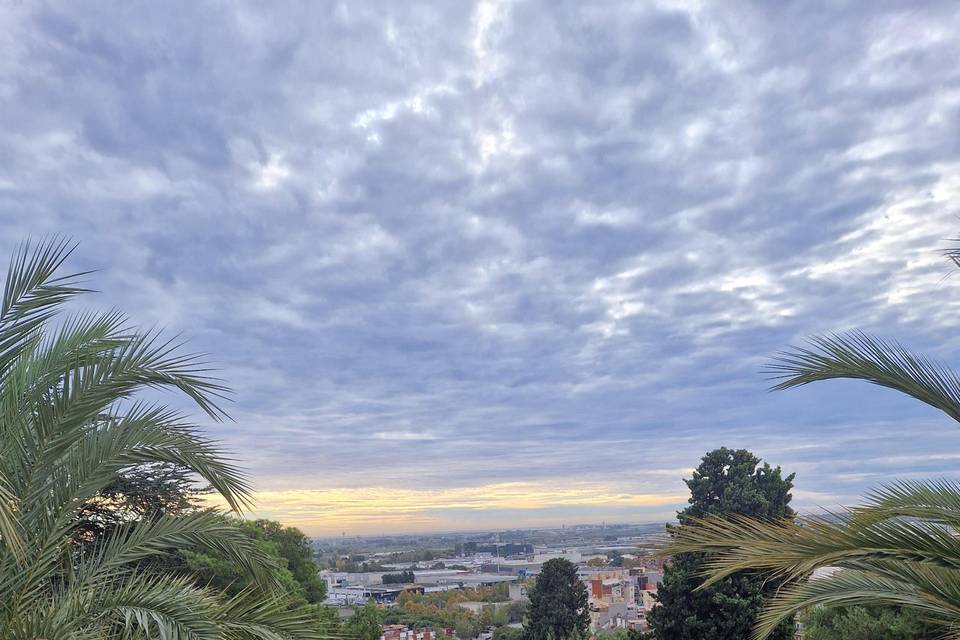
507,263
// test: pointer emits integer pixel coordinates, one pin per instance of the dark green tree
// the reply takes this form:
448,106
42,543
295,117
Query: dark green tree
726,482
866,623
558,603
294,547
143,491
366,623
507,633
287,546
515,611
624,634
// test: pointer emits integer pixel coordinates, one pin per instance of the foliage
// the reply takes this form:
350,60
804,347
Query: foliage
497,593
865,623
436,612
494,616
404,577
615,558
413,621
467,628
72,422
508,633
726,481
558,603
366,622
327,620
441,609
139,492
217,570
624,634
900,549
294,547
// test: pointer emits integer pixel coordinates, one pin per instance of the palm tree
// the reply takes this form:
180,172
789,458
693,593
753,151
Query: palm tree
901,548
73,417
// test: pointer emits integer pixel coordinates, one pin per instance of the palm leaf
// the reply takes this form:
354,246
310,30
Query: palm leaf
10,534
71,420
850,588
250,616
32,293
859,356
202,531
899,549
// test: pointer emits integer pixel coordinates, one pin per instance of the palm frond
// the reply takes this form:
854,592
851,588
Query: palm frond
250,616
71,421
792,550
850,588
33,292
860,356
203,531
901,549
90,458
952,253
930,500
157,606
10,534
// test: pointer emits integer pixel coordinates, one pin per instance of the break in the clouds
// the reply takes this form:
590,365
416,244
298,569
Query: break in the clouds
507,263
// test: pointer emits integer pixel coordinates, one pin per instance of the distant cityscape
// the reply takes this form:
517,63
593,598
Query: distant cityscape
615,562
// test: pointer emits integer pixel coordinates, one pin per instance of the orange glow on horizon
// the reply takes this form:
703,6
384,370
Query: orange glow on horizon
397,510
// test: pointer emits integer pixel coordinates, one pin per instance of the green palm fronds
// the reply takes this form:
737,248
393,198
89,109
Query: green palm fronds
901,548
72,418
859,356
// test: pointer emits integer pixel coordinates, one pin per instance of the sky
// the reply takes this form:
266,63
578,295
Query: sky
506,264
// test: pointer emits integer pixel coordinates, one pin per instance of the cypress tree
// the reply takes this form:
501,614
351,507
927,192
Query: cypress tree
726,482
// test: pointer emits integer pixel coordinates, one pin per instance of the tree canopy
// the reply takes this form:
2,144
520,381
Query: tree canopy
866,623
291,566
558,608
366,622
727,481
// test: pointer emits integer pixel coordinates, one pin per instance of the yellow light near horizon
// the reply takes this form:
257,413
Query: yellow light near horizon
380,509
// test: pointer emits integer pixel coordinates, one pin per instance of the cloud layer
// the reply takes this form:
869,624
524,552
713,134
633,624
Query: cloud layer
478,260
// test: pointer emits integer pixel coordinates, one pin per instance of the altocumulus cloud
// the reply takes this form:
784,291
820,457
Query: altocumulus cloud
519,262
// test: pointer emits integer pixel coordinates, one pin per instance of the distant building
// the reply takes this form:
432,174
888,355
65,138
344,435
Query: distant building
519,568
427,577
477,608
644,581
624,615
608,585
359,594
518,592
572,555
